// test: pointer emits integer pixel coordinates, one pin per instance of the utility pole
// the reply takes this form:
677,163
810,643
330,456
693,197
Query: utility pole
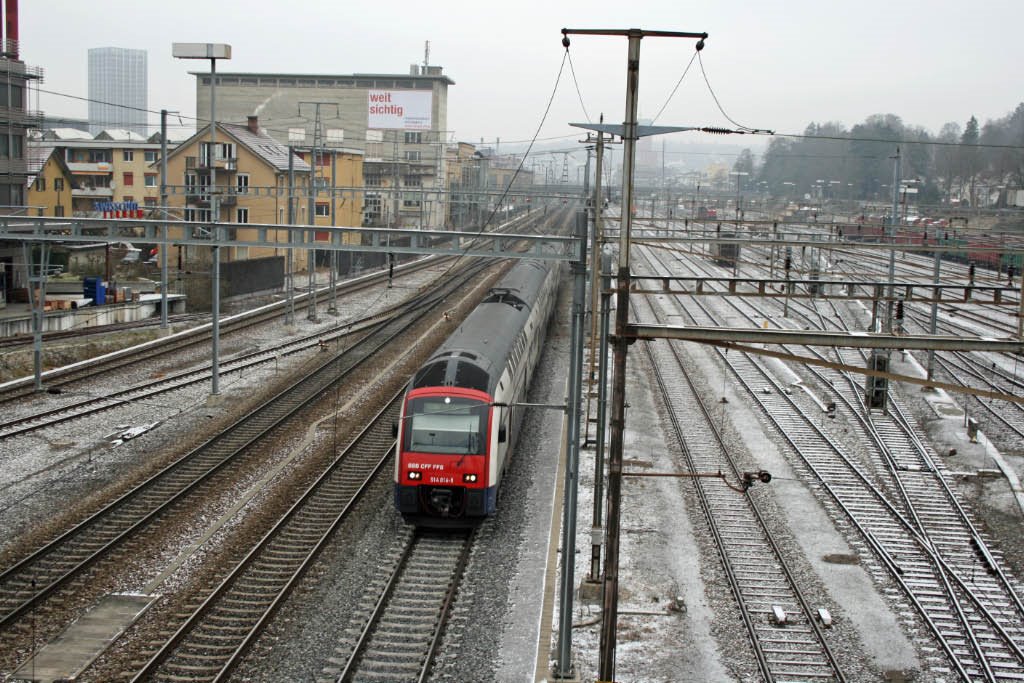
893,219
314,162
163,226
333,308
620,342
289,317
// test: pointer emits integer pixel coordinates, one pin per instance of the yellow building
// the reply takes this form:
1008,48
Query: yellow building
252,186
115,167
49,181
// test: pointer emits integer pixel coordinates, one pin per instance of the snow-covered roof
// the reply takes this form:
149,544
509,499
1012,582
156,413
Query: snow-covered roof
66,134
37,152
120,135
264,146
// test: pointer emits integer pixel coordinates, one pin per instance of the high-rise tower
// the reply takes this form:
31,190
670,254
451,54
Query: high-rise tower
117,89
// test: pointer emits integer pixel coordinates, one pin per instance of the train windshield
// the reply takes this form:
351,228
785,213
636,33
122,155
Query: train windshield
437,424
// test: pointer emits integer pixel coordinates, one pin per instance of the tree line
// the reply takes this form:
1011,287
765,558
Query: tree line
961,164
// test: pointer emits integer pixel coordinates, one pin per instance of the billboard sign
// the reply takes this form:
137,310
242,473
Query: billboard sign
399,109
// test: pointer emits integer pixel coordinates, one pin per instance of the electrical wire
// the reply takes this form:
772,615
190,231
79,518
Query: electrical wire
897,141
678,83
522,161
577,83
711,90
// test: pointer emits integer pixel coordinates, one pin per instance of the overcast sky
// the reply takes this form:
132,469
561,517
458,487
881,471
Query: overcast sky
774,64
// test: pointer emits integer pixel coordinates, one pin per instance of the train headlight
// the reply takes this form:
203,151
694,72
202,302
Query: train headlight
469,478
415,475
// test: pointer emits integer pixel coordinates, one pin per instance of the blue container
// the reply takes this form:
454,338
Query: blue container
99,297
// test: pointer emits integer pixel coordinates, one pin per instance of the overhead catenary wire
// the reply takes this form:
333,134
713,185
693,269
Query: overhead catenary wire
572,71
678,83
711,90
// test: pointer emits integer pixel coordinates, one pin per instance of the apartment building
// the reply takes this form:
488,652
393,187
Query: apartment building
252,185
115,167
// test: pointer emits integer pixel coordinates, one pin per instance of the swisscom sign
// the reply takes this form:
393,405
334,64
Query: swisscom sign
402,109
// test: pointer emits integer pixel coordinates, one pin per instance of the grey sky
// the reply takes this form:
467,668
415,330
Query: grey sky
775,64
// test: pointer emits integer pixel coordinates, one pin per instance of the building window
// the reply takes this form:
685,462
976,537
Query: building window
242,183
200,215
58,184
129,179
16,99
12,146
242,215
411,199
323,209
190,182
412,181
40,184
151,156
129,155
150,202
58,211
375,150
413,138
411,155
151,180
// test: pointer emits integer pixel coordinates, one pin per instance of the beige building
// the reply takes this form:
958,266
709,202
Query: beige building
252,182
398,121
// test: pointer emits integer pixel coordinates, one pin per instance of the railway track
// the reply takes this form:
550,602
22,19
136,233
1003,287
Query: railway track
397,636
91,405
18,390
978,630
36,576
222,625
786,635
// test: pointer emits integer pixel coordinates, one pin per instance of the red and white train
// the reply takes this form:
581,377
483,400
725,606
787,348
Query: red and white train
460,417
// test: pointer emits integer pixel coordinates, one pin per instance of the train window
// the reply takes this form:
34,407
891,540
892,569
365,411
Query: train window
445,425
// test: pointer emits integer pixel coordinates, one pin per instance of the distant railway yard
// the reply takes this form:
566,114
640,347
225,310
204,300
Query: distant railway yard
780,521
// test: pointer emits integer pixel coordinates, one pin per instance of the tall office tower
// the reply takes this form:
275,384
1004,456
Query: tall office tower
117,89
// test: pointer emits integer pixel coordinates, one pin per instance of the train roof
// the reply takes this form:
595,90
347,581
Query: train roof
474,355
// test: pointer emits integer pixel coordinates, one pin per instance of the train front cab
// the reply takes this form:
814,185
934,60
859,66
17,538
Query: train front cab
443,471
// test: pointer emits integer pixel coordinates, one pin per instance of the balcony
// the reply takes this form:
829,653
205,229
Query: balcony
194,163
201,197
91,168
92,192
21,117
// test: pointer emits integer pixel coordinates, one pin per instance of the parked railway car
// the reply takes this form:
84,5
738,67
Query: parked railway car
460,416
995,252
725,255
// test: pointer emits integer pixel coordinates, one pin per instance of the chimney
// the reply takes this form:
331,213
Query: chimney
254,124
10,48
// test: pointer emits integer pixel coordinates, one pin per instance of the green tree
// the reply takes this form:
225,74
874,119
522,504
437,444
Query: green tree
969,159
